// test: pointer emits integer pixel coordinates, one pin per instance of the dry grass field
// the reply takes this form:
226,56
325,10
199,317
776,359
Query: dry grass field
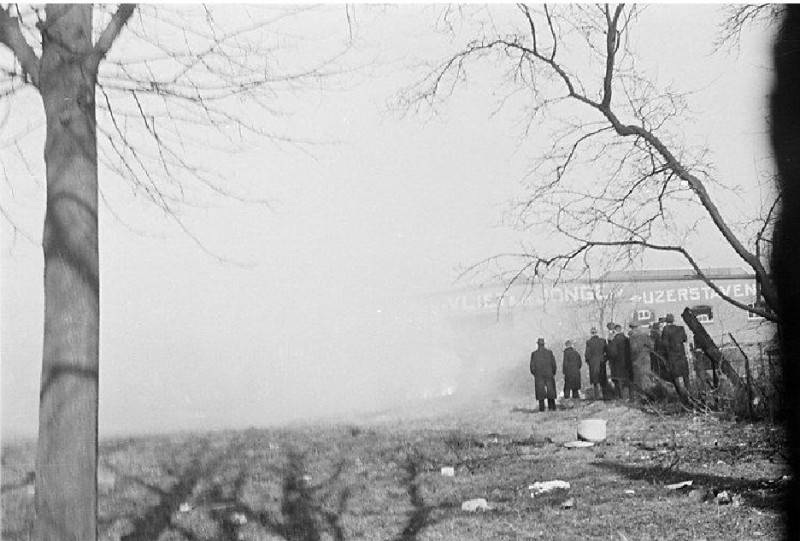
379,477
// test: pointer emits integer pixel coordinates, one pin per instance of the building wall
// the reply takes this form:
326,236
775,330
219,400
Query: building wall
491,317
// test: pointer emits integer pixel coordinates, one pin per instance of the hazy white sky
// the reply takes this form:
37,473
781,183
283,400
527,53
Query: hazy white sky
302,318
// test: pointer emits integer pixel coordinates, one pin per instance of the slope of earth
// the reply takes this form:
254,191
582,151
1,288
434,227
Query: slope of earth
380,477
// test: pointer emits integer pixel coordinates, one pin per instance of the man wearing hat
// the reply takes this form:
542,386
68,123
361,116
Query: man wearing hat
571,366
673,338
596,359
543,368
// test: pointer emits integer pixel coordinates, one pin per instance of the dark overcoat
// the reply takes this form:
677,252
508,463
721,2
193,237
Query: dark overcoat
673,338
641,346
571,366
543,368
619,357
595,358
658,357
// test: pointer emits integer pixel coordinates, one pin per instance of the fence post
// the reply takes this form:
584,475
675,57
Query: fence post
747,375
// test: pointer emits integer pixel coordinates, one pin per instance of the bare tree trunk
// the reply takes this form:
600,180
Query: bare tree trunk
785,139
66,461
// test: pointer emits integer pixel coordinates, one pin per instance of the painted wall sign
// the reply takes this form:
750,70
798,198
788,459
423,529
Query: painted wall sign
586,293
686,294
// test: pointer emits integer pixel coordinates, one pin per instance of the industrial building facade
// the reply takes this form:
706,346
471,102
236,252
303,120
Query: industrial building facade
513,317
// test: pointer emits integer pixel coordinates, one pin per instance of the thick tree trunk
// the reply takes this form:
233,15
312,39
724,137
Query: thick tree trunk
66,461
785,136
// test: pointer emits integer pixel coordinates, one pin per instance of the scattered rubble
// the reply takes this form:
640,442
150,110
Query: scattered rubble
476,504
725,497
682,484
578,444
540,487
238,518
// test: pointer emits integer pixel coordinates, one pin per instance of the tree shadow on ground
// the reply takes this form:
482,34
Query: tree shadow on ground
765,493
421,515
159,518
306,512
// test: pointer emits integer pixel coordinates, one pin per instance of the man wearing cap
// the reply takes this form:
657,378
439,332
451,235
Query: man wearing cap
571,366
543,368
595,354
673,338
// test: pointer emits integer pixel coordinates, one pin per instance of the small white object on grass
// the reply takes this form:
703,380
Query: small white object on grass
185,507
592,430
448,471
476,504
682,484
578,444
724,498
540,487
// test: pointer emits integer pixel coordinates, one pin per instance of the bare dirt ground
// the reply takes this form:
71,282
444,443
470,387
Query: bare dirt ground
379,477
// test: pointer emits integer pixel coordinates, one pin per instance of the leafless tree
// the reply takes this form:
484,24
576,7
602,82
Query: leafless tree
617,174
176,74
738,17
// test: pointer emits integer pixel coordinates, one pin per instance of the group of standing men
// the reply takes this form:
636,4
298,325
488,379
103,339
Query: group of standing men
628,359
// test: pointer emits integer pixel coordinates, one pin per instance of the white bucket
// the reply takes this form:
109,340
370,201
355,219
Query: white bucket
593,430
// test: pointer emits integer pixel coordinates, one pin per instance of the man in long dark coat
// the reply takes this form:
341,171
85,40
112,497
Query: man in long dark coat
658,357
641,346
543,368
595,355
673,338
619,361
571,366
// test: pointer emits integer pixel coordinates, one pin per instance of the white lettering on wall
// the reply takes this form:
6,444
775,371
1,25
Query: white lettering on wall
588,293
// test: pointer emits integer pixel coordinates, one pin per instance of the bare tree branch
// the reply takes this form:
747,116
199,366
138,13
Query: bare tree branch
11,36
646,178
111,31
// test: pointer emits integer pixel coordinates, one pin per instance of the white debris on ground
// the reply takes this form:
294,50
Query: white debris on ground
238,518
682,484
185,507
476,504
578,444
448,471
540,487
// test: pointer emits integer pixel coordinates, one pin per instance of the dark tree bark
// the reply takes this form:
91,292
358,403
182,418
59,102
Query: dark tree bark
785,116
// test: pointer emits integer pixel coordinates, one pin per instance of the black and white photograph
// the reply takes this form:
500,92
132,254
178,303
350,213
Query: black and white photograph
399,272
